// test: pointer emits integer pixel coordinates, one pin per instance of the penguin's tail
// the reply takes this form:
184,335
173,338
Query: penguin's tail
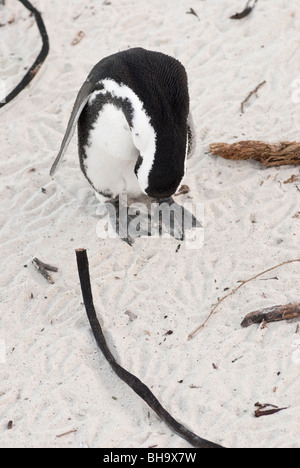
81,100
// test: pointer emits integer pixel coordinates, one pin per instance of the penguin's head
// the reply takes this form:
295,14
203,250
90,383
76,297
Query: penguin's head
161,176
163,185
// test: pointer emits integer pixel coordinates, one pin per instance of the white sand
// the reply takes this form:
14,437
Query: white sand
54,379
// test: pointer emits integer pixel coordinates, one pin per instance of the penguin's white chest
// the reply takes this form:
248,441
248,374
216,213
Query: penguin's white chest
111,154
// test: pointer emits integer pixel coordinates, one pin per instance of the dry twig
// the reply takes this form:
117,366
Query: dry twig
43,268
266,409
66,433
251,94
213,310
247,10
192,12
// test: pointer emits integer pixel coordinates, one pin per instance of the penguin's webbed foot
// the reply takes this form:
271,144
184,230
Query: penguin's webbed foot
176,219
129,222
118,220
138,220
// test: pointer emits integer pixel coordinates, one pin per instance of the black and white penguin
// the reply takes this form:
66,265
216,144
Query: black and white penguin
135,129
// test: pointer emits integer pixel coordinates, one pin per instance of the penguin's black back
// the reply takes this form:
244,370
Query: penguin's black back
160,81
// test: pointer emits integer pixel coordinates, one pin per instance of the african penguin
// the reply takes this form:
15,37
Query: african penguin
135,129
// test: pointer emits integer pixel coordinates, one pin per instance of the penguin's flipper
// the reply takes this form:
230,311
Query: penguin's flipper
81,100
191,136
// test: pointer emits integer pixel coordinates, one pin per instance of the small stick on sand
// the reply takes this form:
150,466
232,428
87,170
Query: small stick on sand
213,310
251,94
139,387
43,268
282,153
266,409
272,314
192,12
66,433
247,10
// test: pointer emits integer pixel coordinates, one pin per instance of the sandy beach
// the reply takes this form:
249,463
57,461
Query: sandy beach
55,386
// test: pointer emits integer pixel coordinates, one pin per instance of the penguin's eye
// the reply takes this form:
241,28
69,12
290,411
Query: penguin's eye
138,164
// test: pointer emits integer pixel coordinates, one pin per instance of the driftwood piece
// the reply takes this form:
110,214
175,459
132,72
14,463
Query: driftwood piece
242,283
130,379
272,314
282,153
